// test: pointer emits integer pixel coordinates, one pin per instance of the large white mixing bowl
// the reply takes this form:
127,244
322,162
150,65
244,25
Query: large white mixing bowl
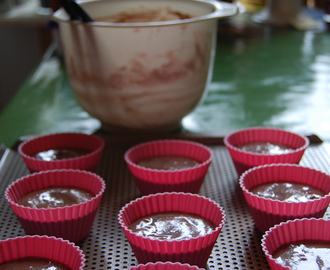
141,76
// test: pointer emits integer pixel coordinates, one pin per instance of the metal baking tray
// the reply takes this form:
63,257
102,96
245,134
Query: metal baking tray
106,247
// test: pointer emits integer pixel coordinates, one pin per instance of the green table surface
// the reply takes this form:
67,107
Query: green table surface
263,76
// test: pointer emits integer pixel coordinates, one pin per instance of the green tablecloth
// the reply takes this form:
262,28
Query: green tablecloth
263,76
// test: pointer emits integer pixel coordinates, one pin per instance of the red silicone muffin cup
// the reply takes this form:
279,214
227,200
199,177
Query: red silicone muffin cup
151,181
165,266
70,222
55,249
194,251
88,162
268,212
293,231
244,160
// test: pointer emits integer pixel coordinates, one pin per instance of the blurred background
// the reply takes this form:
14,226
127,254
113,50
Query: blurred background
25,35
24,38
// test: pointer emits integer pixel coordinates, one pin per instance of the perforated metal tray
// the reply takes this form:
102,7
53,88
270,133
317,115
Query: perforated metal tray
238,246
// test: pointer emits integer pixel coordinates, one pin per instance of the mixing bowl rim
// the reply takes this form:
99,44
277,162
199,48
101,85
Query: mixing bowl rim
221,10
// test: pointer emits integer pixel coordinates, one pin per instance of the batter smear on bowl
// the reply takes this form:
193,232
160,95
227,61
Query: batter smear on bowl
144,14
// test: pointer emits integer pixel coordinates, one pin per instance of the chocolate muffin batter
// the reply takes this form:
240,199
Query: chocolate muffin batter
54,197
168,163
31,263
265,148
308,255
59,154
172,226
288,192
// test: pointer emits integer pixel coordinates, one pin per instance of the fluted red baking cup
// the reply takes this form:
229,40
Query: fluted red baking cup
194,251
151,181
268,212
46,247
70,222
292,231
165,266
38,144
244,160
